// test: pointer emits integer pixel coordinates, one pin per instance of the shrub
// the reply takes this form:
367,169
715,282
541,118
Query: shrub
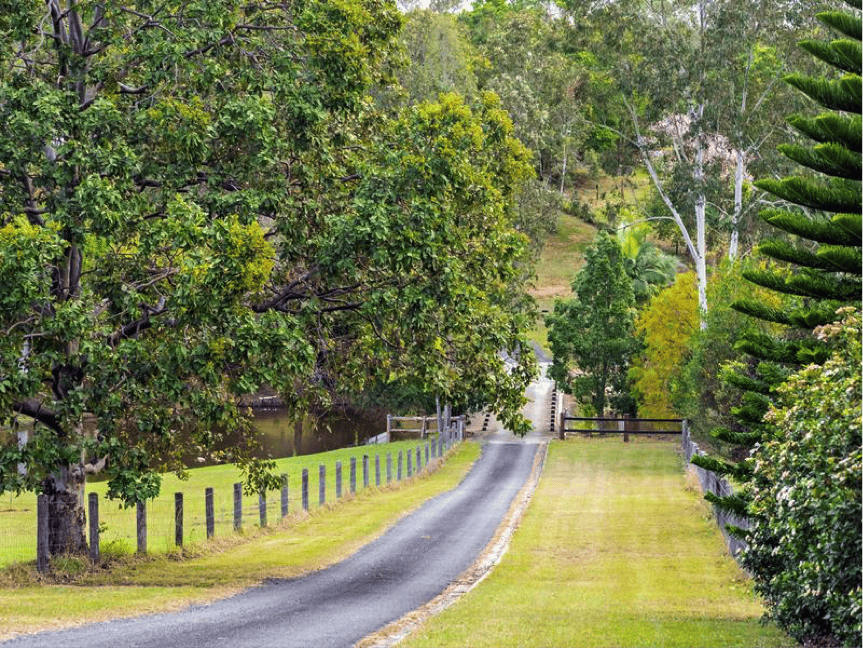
805,543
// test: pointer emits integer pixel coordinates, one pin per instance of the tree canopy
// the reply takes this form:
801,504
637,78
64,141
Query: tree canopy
198,199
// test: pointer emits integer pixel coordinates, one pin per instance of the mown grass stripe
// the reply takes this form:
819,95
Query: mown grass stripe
615,550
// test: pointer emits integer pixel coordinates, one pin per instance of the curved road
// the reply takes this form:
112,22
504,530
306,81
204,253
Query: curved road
397,573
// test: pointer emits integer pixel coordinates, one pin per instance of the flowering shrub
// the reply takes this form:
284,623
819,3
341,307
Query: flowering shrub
805,544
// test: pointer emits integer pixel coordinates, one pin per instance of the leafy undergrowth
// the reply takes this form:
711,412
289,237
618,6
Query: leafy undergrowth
615,550
126,584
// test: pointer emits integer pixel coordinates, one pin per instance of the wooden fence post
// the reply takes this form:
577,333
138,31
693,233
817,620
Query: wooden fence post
365,471
563,424
305,487
389,467
338,480
178,519
389,426
353,475
427,454
209,513
322,485
93,514
419,460
141,521
262,508
399,471
378,470
284,495
238,506
43,553
409,465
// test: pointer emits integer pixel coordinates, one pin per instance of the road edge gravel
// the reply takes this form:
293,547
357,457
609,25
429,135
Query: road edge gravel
391,634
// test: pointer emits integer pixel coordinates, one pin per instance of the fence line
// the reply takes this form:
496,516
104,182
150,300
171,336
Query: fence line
719,486
168,522
624,425
424,426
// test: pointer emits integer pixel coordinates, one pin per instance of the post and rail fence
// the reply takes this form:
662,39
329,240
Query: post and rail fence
425,426
417,460
618,425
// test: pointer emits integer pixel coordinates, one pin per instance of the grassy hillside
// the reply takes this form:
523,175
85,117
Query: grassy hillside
563,253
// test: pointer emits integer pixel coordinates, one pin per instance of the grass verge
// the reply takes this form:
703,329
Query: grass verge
615,550
301,543
118,529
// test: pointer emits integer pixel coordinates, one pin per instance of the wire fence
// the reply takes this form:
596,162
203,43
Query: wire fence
308,482
719,486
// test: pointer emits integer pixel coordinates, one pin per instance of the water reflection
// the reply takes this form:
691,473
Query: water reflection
279,435
283,436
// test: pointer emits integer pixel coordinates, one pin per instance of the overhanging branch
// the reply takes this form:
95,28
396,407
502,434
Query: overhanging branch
34,408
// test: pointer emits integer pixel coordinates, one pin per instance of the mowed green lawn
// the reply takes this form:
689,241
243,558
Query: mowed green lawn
118,525
616,549
162,582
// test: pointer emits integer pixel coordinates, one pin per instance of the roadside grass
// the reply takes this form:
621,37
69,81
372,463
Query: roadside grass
201,573
616,549
118,530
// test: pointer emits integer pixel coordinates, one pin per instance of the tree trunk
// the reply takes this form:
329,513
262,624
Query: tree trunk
738,206
700,236
66,516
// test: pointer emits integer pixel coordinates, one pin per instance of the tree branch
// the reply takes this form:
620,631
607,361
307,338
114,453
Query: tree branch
33,408
133,329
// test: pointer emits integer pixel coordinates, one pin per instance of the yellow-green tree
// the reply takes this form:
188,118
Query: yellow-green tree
666,326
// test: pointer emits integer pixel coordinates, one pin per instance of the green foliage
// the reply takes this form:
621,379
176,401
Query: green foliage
521,46
592,335
699,392
440,57
818,279
204,201
665,326
804,493
805,550
649,268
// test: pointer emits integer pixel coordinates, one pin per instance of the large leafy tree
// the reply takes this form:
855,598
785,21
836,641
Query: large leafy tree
592,335
197,199
538,84
697,83
666,325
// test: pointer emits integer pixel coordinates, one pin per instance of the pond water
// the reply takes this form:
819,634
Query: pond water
282,436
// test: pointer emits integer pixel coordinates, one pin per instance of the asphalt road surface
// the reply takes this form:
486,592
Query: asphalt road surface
397,573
